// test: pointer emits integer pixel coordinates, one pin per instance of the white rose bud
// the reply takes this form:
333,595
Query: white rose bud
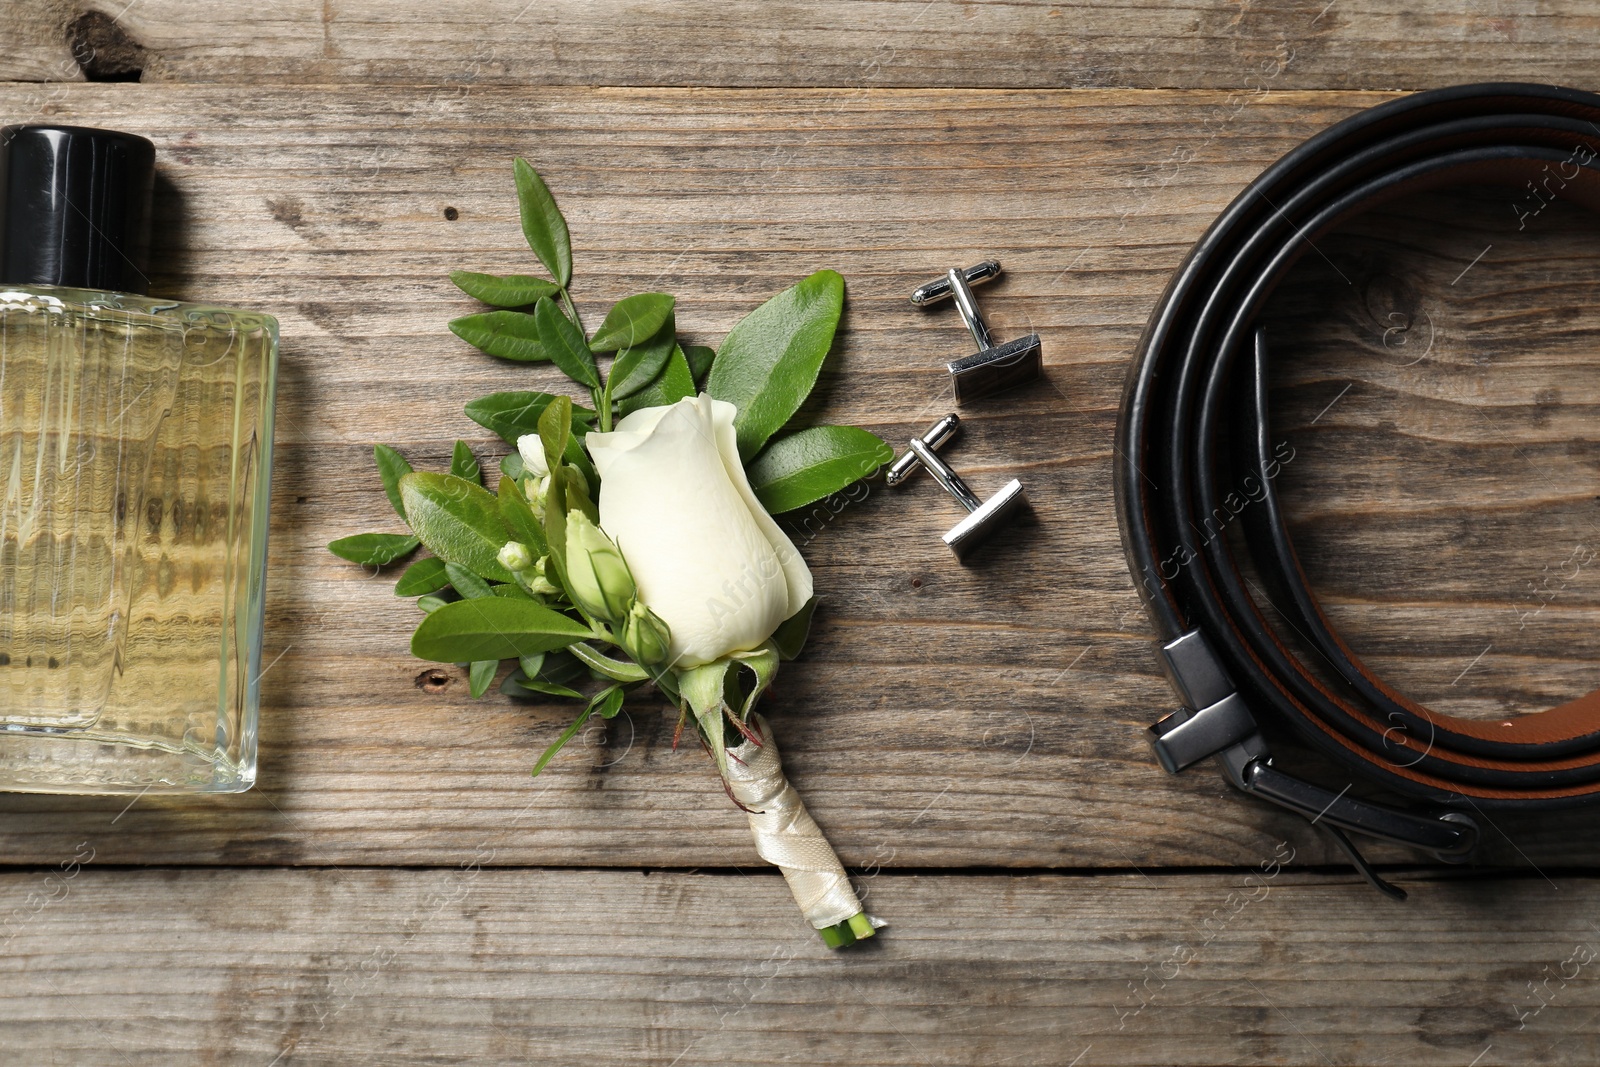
514,556
536,579
644,635
597,575
531,449
706,556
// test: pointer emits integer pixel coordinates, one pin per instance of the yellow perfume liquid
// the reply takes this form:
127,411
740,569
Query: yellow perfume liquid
135,459
134,463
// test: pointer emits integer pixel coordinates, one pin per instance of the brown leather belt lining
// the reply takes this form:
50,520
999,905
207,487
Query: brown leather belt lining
1194,423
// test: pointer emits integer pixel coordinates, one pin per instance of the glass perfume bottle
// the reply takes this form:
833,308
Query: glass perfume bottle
135,459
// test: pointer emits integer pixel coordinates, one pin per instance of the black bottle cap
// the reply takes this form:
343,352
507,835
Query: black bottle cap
75,207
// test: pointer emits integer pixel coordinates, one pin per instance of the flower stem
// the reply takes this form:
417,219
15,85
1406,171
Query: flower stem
602,405
572,313
842,935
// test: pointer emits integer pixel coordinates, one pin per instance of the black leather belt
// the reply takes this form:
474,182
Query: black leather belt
1195,453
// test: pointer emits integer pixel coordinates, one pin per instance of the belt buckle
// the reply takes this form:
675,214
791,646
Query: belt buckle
1224,726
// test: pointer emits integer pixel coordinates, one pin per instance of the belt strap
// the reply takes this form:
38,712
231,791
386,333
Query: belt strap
1183,462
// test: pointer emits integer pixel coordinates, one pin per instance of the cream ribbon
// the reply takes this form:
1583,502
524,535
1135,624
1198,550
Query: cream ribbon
786,834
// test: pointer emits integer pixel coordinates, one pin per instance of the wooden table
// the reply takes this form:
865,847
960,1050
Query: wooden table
399,891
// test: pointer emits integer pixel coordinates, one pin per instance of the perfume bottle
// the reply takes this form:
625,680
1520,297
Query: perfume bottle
135,459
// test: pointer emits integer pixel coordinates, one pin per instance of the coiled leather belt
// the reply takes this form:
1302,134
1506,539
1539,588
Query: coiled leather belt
1194,451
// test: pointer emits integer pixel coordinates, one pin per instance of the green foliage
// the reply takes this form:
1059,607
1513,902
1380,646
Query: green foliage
392,466
564,344
503,291
555,429
768,364
672,384
699,359
791,634
373,549
494,628
481,675
521,522
632,321
422,577
804,467
466,583
513,414
638,365
507,334
463,464
458,521
543,224
476,611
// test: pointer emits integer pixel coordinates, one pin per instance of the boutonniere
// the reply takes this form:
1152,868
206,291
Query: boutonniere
629,542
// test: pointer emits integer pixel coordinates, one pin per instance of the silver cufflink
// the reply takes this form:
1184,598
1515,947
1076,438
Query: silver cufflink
986,516
993,367
942,431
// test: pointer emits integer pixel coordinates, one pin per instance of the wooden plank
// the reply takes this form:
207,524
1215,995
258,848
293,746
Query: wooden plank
1428,380
989,715
1278,44
559,967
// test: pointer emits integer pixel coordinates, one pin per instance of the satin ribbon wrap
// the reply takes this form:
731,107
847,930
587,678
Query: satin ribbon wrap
786,834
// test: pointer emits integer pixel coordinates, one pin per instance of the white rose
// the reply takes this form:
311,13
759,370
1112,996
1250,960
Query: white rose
706,556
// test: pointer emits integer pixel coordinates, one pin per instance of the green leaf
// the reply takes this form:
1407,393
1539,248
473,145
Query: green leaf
561,742
632,321
463,464
804,467
637,366
673,384
518,684
511,466
763,663
564,345
458,521
423,576
555,429
769,362
392,466
543,224
493,628
430,604
790,636
466,583
553,435
555,525
551,674
481,675
513,414
702,687
578,499
517,514
667,683
608,701
373,549
616,669
503,290
578,458
561,668
507,334
699,357
514,592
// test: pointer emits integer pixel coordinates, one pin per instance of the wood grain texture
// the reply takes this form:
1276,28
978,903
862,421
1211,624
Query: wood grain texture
943,716
1427,392
1281,44
462,965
